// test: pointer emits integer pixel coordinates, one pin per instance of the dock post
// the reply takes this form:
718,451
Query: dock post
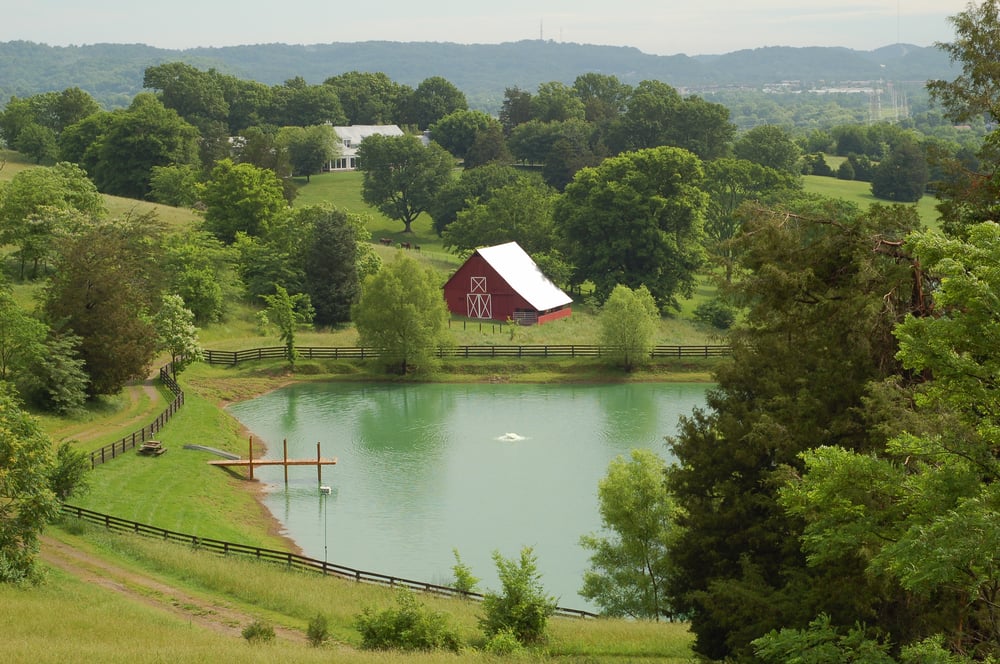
251,457
285,457
319,465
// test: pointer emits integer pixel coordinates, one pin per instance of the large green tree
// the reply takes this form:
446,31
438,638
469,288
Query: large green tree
27,501
823,286
902,176
770,146
432,100
472,186
241,198
923,512
629,564
519,213
402,313
38,204
105,286
309,148
145,135
368,98
457,132
628,321
401,176
331,264
636,219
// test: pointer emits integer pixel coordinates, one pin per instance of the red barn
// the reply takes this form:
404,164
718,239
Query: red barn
501,283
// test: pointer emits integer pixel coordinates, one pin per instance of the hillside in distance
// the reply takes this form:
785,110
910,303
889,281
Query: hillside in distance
113,73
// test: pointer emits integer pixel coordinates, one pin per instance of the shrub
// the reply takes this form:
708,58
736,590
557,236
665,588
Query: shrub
522,608
318,631
410,626
258,632
464,580
716,313
503,644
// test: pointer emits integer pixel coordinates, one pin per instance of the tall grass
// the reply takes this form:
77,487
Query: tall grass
286,598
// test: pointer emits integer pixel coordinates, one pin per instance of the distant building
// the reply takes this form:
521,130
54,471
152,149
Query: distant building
503,283
350,139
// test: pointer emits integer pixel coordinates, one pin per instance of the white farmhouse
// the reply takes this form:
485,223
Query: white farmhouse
350,139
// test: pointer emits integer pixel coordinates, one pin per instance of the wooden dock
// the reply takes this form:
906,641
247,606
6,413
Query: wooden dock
252,463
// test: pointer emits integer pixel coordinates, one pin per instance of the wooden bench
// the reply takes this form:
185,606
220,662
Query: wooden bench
152,448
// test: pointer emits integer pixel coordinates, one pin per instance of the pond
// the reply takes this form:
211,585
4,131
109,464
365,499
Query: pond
428,468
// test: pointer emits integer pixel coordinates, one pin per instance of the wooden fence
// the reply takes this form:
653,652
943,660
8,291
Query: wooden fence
291,560
231,357
137,438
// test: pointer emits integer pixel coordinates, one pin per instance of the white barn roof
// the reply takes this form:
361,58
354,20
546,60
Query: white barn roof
516,267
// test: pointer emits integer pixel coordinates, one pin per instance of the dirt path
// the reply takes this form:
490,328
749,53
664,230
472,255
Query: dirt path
208,613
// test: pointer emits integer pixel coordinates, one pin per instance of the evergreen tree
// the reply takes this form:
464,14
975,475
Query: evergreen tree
331,267
817,330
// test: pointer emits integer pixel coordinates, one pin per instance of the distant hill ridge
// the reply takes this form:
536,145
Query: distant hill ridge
113,73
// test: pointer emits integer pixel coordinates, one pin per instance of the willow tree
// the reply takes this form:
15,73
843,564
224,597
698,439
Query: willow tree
402,313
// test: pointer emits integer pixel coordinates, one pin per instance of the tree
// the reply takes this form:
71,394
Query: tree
636,219
403,314
241,198
519,213
516,108
26,498
39,203
521,607
629,319
22,337
368,98
457,132
331,265
489,147
401,176
176,333
472,186
57,380
309,148
902,176
198,98
135,140
104,286
298,104
289,313
729,184
174,185
199,268
770,146
70,474
39,143
556,102
604,97
814,276
629,568
922,512
432,100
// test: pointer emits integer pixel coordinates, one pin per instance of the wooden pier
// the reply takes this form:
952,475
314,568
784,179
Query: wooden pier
251,463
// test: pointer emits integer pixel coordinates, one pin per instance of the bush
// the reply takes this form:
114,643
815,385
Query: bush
503,644
522,608
411,626
715,313
464,580
318,631
258,632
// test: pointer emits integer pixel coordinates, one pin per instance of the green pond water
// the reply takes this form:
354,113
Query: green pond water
425,469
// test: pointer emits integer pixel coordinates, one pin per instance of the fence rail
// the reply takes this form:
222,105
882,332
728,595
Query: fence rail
147,432
285,558
232,357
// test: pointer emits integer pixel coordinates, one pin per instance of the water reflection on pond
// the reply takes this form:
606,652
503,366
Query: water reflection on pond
427,468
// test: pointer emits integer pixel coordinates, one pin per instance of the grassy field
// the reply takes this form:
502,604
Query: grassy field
180,491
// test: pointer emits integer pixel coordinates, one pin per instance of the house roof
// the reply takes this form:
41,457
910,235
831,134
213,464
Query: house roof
357,133
516,267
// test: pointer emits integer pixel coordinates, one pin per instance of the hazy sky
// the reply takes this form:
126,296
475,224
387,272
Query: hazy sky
662,27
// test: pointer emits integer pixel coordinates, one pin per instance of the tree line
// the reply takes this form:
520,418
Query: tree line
836,495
